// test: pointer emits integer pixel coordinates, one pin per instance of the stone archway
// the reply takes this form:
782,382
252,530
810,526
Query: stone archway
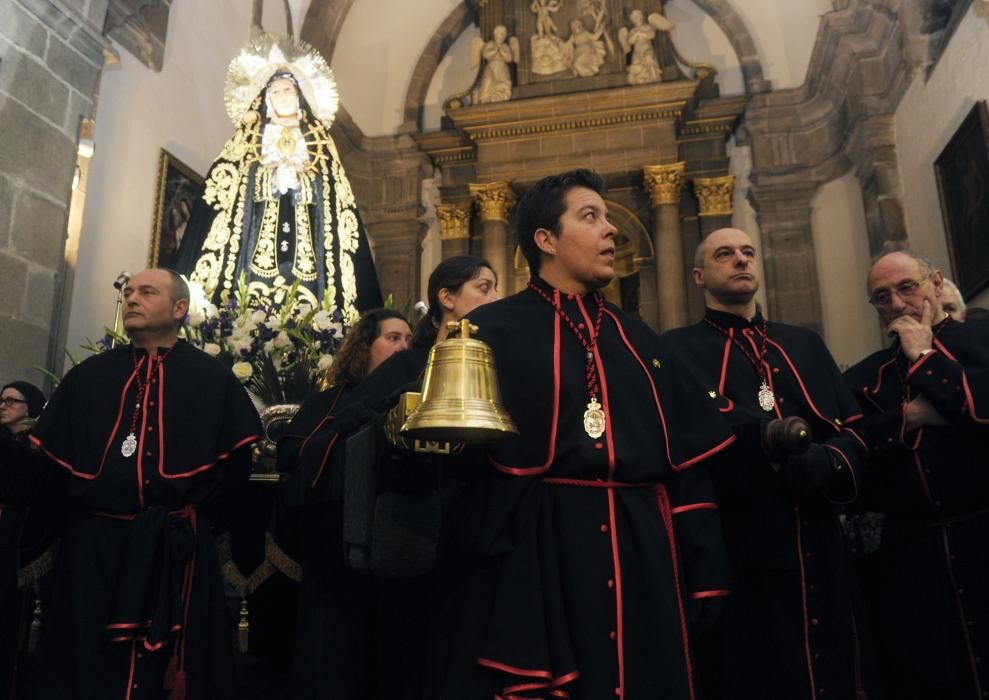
415,97
733,26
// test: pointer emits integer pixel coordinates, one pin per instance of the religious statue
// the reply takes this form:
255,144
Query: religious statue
498,54
547,51
643,66
278,207
584,50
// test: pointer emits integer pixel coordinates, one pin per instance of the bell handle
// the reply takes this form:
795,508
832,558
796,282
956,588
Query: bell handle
465,327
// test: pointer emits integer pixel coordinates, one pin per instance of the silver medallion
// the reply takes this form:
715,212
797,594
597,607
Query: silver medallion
766,399
129,446
594,419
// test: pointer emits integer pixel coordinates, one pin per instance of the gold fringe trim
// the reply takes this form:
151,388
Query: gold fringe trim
282,561
30,574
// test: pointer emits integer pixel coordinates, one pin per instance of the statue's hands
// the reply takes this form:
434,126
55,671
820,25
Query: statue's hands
286,178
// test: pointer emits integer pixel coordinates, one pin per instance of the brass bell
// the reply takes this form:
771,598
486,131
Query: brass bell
461,401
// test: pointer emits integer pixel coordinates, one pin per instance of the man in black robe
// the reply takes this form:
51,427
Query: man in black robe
144,446
788,630
588,542
927,423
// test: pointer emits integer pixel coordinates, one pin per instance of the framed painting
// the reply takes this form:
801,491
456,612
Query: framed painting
178,188
962,172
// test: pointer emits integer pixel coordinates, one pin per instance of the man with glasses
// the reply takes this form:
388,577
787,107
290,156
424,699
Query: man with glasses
926,487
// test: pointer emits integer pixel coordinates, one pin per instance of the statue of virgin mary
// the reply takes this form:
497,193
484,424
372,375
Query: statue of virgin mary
278,206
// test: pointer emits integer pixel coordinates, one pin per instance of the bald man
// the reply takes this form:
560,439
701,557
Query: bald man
143,447
926,406
788,630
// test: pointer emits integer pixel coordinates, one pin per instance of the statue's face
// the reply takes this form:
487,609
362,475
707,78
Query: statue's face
500,33
636,17
284,97
576,26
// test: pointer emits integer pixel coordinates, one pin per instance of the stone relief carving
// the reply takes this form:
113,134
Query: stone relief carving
498,53
584,50
548,55
639,40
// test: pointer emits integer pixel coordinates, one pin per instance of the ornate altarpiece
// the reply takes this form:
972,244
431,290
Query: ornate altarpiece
660,147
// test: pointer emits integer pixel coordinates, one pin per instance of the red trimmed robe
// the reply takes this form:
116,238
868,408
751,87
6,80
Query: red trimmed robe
926,582
137,608
789,631
578,562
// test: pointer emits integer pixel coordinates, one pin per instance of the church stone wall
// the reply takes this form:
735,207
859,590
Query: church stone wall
51,54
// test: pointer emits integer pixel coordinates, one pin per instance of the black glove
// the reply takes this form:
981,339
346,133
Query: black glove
810,471
782,437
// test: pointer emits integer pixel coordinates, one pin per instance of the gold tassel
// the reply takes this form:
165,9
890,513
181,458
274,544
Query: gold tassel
35,633
243,627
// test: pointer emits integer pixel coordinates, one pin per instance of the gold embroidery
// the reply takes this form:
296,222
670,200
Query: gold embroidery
239,185
221,186
264,259
304,265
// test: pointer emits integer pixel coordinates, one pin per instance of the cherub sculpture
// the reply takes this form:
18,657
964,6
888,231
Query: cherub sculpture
498,53
584,50
643,66
547,47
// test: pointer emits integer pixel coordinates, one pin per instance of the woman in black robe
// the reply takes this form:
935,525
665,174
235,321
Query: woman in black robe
361,636
20,404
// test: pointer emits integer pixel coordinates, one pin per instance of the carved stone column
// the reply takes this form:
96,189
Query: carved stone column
454,220
714,199
789,263
494,200
664,183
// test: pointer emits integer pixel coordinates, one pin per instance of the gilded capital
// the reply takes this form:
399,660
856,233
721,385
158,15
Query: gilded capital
495,200
714,195
454,221
664,182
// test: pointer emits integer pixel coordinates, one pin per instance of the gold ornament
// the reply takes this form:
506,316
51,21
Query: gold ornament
766,399
664,182
454,220
495,200
594,420
714,195
286,143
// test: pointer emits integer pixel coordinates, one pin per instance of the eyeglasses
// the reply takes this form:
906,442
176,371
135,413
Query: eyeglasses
9,401
881,298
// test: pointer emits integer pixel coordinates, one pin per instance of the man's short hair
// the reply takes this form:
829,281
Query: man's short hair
926,266
179,289
544,203
699,253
